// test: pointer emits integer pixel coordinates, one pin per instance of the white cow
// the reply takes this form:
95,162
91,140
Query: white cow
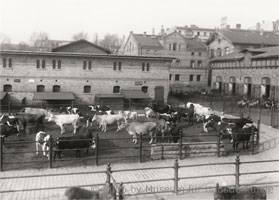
133,115
63,119
200,110
104,120
149,112
41,140
136,128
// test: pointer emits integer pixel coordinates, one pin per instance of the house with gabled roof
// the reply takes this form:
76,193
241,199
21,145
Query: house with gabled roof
189,68
226,41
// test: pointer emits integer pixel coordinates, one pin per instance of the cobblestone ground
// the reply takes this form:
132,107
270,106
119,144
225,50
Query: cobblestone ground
268,150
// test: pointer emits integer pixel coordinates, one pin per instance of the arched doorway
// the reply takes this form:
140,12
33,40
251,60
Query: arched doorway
265,87
218,84
232,85
247,88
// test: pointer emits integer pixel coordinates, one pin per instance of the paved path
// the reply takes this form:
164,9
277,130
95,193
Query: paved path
269,140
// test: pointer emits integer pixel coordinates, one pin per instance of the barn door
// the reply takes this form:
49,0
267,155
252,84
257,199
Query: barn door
159,94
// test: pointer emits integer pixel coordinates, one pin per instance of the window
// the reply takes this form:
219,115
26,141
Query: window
191,78
43,64
219,52
89,65
174,46
192,53
56,88
143,66
179,47
144,89
40,88
38,64
10,63
198,77
170,47
53,64
59,64
200,53
116,89
219,40
198,33
119,66
87,89
147,67
7,88
170,76
204,33
192,63
199,63
212,53
84,64
226,50
4,62
177,76
114,66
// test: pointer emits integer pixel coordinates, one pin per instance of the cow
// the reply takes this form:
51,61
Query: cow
162,109
136,128
62,119
211,121
69,110
9,125
228,193
25,118
84,140
107,192
133,115
149,112
104,120
41,140
163,127
35,111
102,109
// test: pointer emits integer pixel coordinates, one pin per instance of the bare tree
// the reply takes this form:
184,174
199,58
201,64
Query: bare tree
111,41
40,40
80,36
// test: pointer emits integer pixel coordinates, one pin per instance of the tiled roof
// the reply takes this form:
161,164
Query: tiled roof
231,56
53,96
251,37
195,45
148,41
269,52
109,95
134,94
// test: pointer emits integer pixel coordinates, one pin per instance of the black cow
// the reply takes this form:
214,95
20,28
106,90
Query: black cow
76,142
24,119
162,109
9,125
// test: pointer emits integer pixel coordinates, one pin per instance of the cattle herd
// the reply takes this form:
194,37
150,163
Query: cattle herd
155,121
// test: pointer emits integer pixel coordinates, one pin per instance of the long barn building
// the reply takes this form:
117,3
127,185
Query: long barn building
83,72
252,73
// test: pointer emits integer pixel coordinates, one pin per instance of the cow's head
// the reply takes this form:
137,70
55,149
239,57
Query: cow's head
50,117
122,126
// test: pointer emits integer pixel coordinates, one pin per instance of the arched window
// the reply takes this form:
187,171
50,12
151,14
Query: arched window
144,89
219,52
116,89
40,88
7,88
87,89
56,88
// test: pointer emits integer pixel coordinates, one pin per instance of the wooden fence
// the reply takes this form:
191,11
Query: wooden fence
176,167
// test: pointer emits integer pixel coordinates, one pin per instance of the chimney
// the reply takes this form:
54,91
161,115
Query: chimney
162,30
258,26
238,26
153,31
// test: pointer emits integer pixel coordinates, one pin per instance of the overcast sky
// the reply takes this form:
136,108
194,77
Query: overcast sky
63,18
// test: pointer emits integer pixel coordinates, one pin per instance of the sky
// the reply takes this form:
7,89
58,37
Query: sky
61,19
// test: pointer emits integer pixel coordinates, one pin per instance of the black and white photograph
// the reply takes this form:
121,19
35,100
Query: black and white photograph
139,100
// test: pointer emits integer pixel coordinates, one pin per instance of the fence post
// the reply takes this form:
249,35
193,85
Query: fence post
176,166
50,151
108,172
162,152
180,146
253,141
237,174
271,115
97,149
218,145
9,107
258,132
140,148
1,152
121,192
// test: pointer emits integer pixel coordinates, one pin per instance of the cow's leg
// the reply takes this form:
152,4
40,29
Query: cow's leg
62,128
37,148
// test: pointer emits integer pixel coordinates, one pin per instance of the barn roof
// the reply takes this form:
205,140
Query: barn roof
53,96
114,95
148,41
134,94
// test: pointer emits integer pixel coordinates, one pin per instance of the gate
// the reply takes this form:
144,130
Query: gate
159,94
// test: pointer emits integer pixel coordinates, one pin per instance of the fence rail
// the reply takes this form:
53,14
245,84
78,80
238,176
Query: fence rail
176,167
141,151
